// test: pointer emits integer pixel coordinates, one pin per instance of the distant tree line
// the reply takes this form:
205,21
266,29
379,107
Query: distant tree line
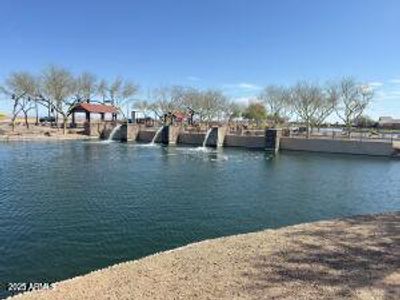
208,105
59,91
312,103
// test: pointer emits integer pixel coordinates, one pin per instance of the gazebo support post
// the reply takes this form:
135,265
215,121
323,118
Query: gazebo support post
73,120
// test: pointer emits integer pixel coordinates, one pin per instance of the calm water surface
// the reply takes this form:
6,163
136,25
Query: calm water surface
71,207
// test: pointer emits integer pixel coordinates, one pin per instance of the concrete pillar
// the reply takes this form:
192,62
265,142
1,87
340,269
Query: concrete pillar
87,128
170,134
73,120
174,132
216,137
132,132
272,137
221,135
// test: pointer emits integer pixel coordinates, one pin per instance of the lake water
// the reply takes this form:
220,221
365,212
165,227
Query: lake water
67,208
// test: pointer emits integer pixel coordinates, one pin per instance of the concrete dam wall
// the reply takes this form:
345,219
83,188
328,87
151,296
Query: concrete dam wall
146,136
272,140
251,142
195,139
375,148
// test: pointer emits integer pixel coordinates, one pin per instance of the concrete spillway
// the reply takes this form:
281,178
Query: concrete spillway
271,140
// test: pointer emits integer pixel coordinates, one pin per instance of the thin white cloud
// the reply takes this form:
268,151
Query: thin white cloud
193,78
243,86
395,80
248,86
243,100
375,84
387,95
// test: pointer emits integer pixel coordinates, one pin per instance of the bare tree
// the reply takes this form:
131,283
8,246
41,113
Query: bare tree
102,90
326,106
21,88
85,87
144,106
306,99
194,99
57,90
353,99
233,110
208,105
27,104
214,104
167,100
278,102
119,92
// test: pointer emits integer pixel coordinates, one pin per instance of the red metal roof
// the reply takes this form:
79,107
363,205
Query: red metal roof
95,108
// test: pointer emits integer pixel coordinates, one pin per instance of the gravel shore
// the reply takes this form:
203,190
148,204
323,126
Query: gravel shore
39,133
352,258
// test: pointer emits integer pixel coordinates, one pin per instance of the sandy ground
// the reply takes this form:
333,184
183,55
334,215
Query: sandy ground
21,133
355,258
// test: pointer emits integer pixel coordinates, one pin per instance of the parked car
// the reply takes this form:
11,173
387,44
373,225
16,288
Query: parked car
47,119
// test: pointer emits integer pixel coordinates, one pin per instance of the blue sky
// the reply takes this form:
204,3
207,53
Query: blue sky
237,46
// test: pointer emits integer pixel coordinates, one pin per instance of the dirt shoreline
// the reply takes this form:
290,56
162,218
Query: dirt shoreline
23,138
39,133
45,138
351,258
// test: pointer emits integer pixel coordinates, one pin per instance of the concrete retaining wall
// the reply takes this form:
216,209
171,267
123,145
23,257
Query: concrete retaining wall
337,146
101,129
120,134
147,136
191,138
126,133
97,129
251,142
174,135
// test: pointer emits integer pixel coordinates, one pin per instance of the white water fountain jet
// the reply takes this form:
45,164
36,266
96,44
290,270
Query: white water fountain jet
153,141
204,148
113,132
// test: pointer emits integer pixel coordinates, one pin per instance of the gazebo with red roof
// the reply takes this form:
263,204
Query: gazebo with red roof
96,108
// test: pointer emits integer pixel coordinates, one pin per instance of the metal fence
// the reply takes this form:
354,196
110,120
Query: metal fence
341,134
246,132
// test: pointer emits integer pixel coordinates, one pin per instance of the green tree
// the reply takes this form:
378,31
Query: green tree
364,121
255,112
